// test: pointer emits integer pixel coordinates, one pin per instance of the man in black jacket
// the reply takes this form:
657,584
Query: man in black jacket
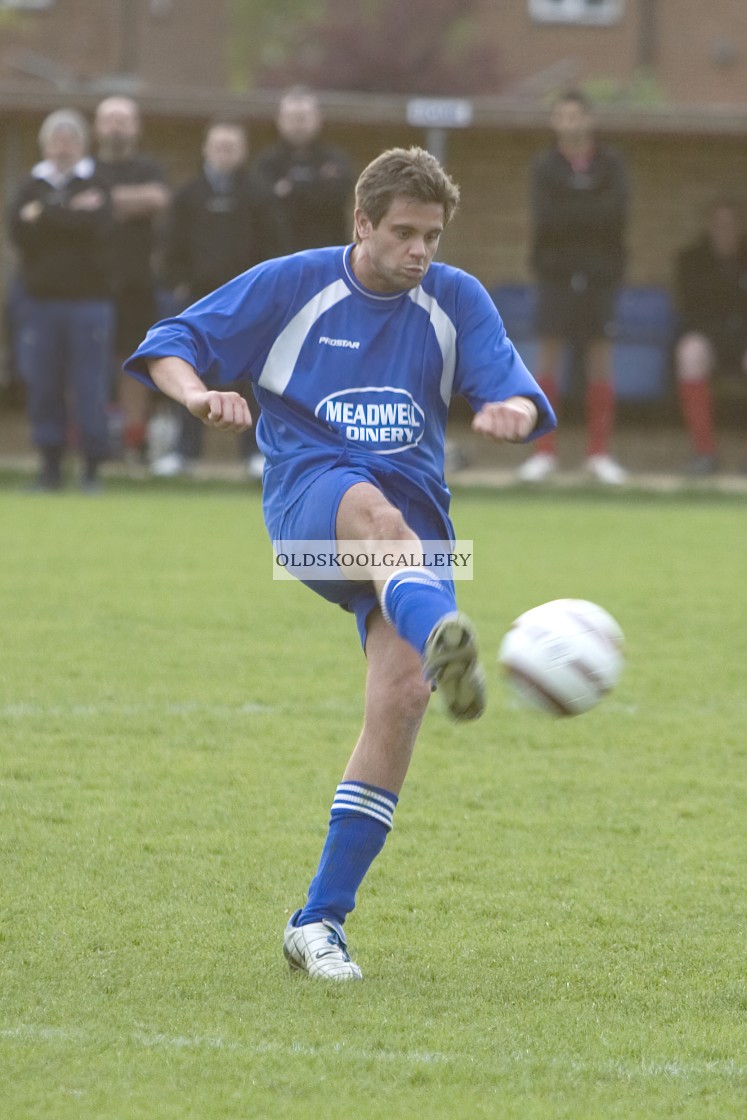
221,223
579,200
711,294
140,196
312,182
60,221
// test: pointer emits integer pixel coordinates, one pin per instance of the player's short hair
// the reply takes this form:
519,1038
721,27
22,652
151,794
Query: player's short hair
409,173
69,120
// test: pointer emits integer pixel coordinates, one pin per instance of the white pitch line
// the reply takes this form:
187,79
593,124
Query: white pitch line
173,709
189,708
629,1071
159,1040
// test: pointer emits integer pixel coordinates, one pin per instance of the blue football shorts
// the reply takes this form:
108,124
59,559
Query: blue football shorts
314,516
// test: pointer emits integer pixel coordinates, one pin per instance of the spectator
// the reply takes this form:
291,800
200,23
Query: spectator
711,295
60,220
579,197
139,196
220,224
311,182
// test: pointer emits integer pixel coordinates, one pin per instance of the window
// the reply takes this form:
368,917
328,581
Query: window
576,11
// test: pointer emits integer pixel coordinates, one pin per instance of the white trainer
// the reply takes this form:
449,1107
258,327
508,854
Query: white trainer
537,467
451,664
605,469
320,950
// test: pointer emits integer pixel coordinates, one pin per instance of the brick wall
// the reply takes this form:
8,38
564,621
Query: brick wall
698,49
91,40
702,50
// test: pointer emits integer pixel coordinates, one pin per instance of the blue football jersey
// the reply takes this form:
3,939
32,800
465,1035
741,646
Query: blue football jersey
347,375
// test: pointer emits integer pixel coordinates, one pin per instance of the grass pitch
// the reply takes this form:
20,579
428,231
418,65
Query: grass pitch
556,926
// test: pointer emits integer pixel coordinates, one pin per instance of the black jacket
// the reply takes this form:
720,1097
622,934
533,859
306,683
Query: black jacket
214,234
579,218
315,211
132,240
62,252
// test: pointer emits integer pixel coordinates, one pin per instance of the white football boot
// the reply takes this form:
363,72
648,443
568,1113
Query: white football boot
451,664
171,465
537,467
320,950
605,470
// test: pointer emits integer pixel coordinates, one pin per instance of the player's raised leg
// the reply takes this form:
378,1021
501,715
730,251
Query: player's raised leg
419,605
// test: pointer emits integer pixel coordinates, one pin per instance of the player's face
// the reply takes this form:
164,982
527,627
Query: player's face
395,255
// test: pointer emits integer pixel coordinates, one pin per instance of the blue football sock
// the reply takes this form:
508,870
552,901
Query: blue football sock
359,822
413,601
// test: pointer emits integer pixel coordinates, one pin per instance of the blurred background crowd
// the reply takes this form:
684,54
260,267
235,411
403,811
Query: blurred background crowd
153,149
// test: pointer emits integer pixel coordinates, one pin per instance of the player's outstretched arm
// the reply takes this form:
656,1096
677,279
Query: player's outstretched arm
178,380
511,420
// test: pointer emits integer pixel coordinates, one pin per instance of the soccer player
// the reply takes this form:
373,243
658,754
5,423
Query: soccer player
579,202
710,286
338,342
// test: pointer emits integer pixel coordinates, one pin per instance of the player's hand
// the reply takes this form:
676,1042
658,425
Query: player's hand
512,420
227,411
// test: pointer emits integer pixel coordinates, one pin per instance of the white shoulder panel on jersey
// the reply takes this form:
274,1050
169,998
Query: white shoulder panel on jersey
281,361
445,332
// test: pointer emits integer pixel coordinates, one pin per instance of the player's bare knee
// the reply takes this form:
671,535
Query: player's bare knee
385,523
693,358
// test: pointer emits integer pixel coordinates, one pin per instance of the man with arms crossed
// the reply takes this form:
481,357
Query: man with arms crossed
140,196
414,333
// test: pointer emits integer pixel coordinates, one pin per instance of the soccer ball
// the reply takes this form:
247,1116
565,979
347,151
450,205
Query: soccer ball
563,657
